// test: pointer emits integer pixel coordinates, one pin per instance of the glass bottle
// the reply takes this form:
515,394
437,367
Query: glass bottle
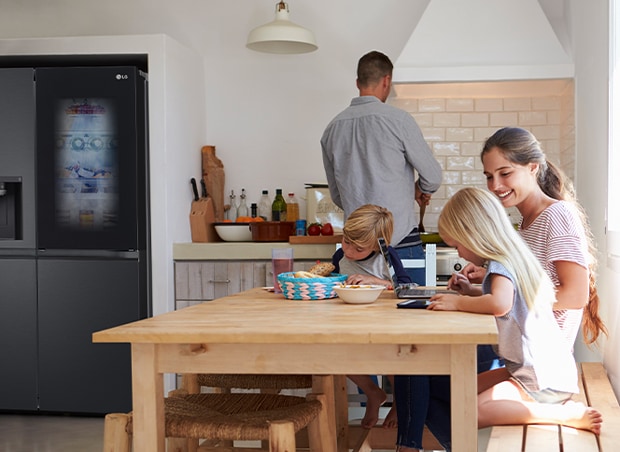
232,211
292,208
242,210
264,206
278,207
253,210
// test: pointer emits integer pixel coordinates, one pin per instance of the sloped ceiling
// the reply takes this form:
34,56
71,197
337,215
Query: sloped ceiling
457,40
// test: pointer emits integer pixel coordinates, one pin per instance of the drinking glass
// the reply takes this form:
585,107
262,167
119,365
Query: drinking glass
282,261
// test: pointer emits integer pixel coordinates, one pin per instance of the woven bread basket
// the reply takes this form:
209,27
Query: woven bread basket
309,288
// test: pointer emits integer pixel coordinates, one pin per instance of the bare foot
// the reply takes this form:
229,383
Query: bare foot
583,417
390,420
374,400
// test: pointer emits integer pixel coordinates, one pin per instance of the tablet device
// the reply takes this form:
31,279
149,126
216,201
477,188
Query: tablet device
413,304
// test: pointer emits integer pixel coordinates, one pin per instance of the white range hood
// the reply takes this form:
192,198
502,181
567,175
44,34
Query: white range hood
479,40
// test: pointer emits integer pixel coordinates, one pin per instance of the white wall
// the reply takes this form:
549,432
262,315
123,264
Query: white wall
265,113
591,50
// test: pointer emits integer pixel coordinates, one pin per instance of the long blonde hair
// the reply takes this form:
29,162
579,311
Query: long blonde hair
476,219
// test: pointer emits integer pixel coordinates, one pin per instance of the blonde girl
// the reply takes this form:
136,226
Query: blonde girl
540,374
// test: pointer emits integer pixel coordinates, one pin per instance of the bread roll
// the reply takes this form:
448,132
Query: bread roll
322,268
302,274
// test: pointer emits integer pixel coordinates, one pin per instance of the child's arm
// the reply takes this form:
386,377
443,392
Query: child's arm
368,279
498,302
336,258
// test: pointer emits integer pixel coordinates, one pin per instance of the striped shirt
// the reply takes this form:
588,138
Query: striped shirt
557,234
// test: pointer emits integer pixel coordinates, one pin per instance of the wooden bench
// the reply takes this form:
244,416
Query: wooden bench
596,391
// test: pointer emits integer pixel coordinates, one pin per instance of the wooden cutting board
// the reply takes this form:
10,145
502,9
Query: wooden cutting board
314,239
213,175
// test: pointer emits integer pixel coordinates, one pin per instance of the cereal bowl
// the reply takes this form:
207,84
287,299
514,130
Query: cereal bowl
359,293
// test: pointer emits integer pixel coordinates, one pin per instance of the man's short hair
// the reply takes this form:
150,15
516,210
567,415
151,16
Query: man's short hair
372,67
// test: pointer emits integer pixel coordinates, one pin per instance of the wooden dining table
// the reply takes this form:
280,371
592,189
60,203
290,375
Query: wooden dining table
257,331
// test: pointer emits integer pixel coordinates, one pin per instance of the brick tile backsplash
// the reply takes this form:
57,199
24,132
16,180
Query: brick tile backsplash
456,128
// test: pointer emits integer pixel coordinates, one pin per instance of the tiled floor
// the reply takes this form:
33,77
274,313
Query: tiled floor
38,433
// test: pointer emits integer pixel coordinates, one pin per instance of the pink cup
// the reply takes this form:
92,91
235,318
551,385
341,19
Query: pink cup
282,262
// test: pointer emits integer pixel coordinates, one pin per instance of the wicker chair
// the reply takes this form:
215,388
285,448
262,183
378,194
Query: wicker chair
221,418
270,383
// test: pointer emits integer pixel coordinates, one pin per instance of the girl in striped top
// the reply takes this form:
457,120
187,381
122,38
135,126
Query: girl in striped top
553,225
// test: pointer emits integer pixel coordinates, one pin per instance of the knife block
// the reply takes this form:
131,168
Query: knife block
201,219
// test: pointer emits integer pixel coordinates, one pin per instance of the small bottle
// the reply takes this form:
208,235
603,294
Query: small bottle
264,206
232,211
278,207
292,208
253,210
242,210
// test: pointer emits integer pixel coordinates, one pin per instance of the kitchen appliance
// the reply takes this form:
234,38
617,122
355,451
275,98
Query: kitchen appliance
320,207
448,262
75,256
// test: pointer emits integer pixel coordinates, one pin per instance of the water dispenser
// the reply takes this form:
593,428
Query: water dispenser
11,208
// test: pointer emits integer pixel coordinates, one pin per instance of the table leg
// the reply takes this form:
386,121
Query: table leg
324,384
464,394
342,412
148,400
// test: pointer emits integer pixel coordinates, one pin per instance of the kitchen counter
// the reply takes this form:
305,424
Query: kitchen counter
247,250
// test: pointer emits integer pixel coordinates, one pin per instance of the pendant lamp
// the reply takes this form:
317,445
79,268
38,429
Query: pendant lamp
281,35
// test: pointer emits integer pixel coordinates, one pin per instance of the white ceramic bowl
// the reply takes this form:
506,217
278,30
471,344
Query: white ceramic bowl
359,293
234,232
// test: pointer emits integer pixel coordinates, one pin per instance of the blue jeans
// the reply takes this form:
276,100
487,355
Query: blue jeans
423,399
417,275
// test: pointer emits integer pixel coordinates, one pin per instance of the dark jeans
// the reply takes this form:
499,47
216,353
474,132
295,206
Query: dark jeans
417,275
423,399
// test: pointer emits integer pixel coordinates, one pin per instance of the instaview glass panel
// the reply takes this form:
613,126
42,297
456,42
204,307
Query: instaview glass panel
86,159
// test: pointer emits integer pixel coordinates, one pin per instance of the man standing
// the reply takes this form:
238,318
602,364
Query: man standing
371,152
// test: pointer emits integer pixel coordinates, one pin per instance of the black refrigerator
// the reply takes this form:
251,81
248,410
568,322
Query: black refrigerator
76,250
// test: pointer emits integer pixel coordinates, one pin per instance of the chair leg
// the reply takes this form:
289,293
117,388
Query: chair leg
281,436
115,436
189,382
362,443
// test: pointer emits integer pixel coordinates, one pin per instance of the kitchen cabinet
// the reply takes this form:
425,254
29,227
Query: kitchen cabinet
18,334
198,281
205,271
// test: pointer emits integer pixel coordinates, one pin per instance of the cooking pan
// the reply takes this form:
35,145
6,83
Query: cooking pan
430,237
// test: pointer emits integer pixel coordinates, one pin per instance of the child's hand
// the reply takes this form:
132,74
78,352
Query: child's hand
460,283
367,279
444,302
474,273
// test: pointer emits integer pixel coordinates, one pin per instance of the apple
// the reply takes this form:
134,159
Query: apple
314,229
327,229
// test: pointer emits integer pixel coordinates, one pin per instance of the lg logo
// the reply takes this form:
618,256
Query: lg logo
122,77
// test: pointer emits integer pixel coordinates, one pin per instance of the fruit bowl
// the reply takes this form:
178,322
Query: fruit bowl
359,293
234,232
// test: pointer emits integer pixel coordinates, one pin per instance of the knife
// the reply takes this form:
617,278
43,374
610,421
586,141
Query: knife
195,189
204,188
